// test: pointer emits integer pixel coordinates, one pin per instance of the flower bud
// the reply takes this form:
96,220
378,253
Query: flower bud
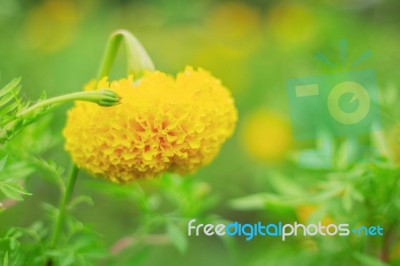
108,98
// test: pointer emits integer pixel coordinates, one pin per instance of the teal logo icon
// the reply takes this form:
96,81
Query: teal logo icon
345,103
359,94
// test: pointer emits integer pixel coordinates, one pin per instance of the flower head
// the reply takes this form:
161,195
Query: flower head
162,124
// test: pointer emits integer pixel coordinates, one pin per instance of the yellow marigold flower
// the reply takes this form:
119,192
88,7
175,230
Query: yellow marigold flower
162,124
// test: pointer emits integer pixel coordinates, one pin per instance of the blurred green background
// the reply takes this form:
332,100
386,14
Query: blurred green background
253,47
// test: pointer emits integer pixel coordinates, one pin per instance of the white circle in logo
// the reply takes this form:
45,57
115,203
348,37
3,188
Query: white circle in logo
359,93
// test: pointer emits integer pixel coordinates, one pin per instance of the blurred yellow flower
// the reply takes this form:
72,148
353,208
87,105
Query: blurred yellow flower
393,139
310,244
395,252
51,26
291,24
305,211
227,62
266,136
236,22
162,124
231,34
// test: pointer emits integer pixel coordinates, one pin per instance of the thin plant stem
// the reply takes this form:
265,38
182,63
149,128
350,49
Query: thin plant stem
109,56
63,205
387,244
138,61
102,97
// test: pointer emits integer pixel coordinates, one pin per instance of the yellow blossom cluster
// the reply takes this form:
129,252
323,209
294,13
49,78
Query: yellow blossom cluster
162,124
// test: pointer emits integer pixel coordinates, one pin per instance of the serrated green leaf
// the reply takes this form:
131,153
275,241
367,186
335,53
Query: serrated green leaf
10,87
13,190
43,96
83,199
16,170
177,237
7,98
35,231
51,171
9,108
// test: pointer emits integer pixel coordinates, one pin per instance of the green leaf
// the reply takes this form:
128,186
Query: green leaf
261,201
11,107
252,202
15,171
347,200
314,159
82,199
379,140
325,143
7,98
366,260
317,216
138,258
67,260
346,153
229,242
50,170
3,163
12,85
285,186
13,190
177,236
5,260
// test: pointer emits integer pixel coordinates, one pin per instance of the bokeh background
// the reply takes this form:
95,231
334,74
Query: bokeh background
254,47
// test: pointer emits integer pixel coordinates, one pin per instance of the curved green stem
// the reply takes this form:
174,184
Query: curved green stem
109,56
101,97
137,58
63,206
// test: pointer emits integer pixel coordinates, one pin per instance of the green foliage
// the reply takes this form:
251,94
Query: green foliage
20,246
340,177
253,47
362,193
29,246
165,205
81,244
11,105
11,179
